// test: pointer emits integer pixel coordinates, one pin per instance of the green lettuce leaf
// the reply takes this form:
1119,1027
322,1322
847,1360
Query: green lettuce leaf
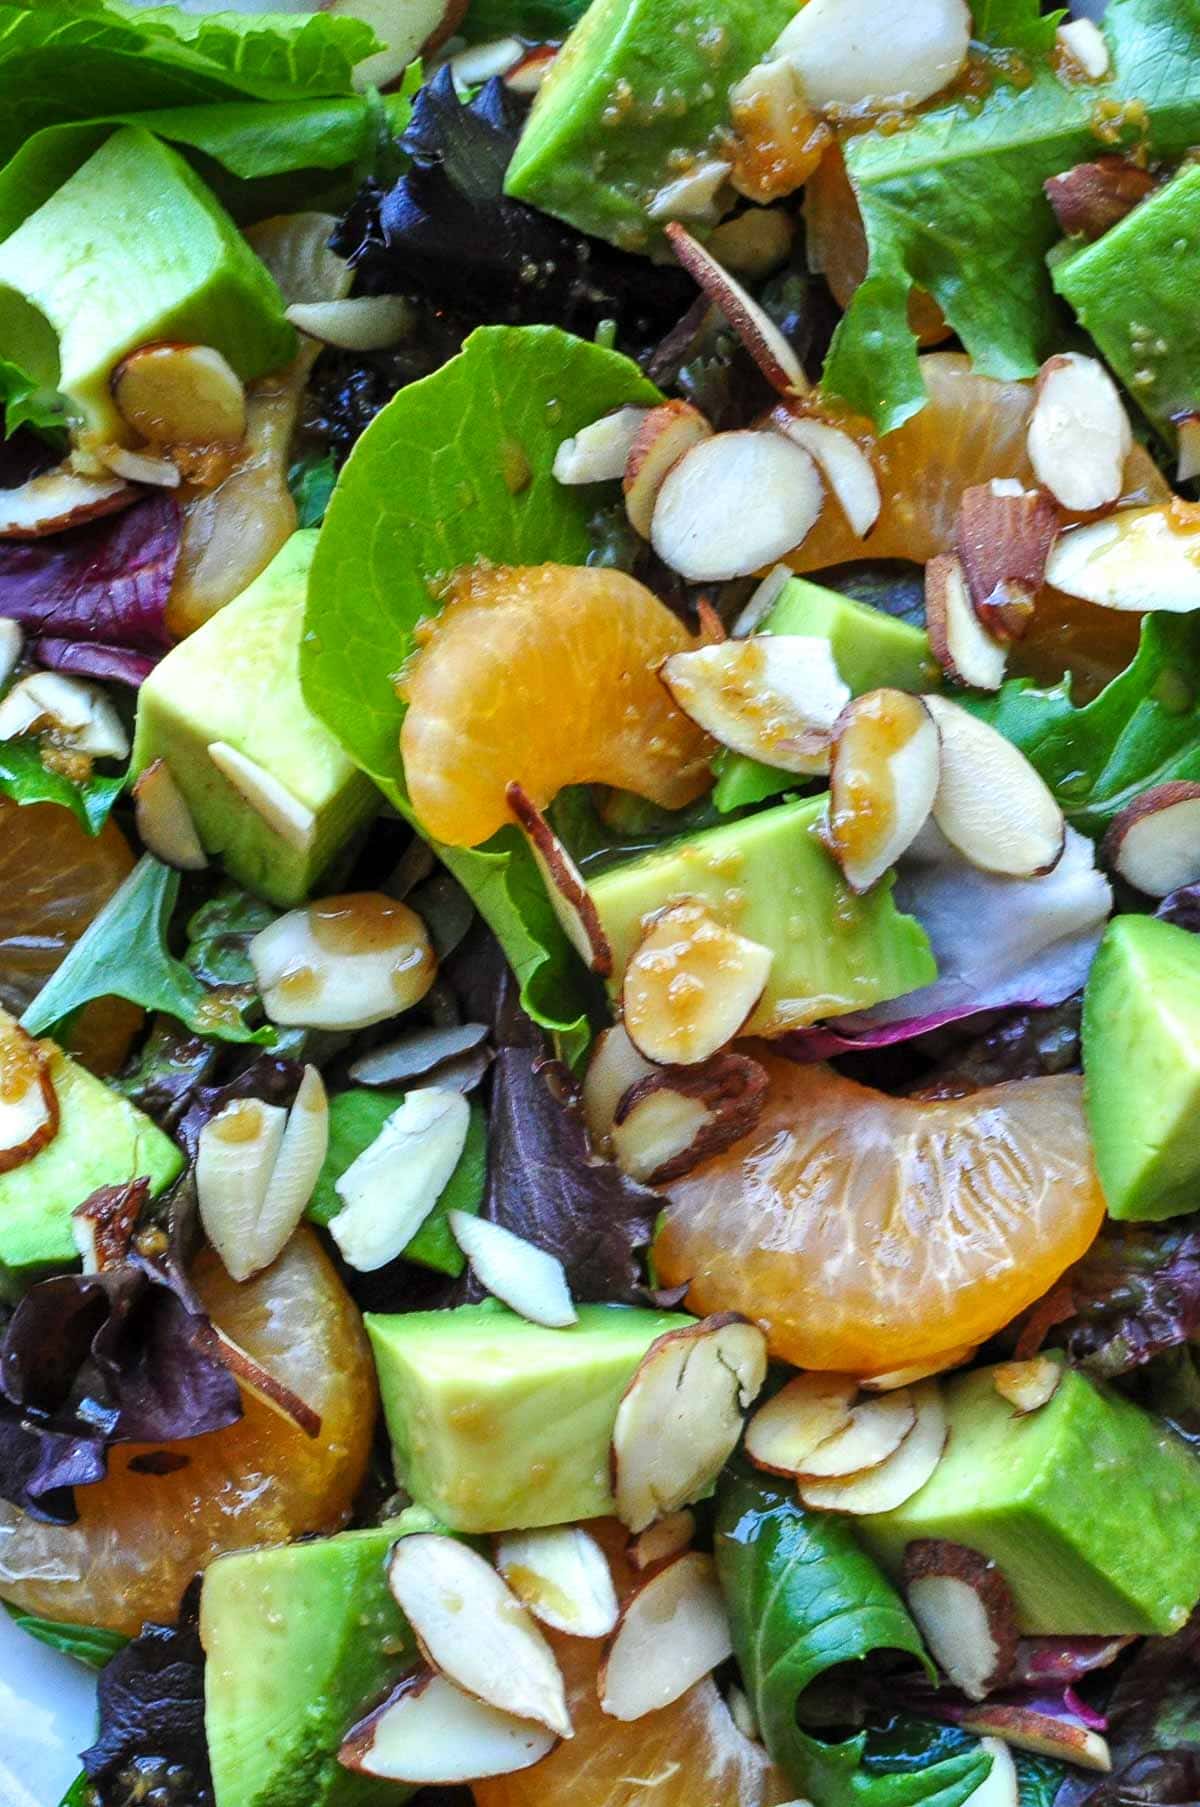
86,1643
124,954
803,1598
311,480
25,779
547,21
955,204
427,489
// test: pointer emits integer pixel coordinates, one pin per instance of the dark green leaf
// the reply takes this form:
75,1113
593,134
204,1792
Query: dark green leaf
79,1794
311,480
546,21
24,778
88,1644
219,935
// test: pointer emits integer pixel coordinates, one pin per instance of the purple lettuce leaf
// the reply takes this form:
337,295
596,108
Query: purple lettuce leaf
88,659
1045,1660
1134,1295
106,583
1182,907
151,1705
1153,1730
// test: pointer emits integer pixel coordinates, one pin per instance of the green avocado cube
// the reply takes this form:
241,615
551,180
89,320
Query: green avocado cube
133,248
1036,1493
770,877
102,1140
236,681
499,1424
1134,291
300,1640
639,90
1141,1063
872,651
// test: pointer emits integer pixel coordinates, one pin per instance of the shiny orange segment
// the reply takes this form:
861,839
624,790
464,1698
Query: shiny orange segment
546,675
866,1233
688,1755
140,1537
837,245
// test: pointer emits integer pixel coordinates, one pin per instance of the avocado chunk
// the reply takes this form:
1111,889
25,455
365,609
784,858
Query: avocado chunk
236,680
499,1424
131,249
1036,1495
1133,290
102,1140
770,878
638,92
872,651
1141,1061
300,1640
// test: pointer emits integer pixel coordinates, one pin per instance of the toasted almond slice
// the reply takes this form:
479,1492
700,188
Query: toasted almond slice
1004,540
756,330
692,196
1187,429
474,1630
1079,435
561,1574
252,1377
841,461
77,712
1142,559
528,75
1041,1733
681,1415
961,644
141,467
1154,843
103,1225
804,1414
527,1279
965,1610
1001,1786
691,986
419,1052
235,1157
407,28
164,820
673,1632
908,1377
343,962
176,394
391,1188
1087,47
905,1471
355,323
670,1121
874,1430
59,499
11,642
599,453
991,805
428,1732
293,821
774,698
28,1100
569,896
659,1542
1028,1385
1091,197
613,1070
297,1168
882,783
480,62
762,601
735,503
778,140
662,439
871,53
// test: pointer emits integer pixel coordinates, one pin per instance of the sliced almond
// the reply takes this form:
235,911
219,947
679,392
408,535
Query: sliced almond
691,986
777,138
965,1610
479,63
176,394
103,1225
393,1185
872,53
428,1732
733,504
1028,1385
283,812
59,499
472,1628
527,76
841,461
1079,435
28,1100
1187,429
527,1279
1090,198
253,1378
1154,843
907,1377
420,1052
613,1070
662,439
883,779
599,453
1001,1786
659,1542
407,29
1004,541
961,644
874,1430
561,1574
904,1472
693,195
75,713
673,1632
774,698
1087,47
343,962
12,641
569,896
1041,1733
681,1415
354,323
991,805
670,1121
1141,559
806,1412
164,820
141,467
297,1168
235,1157
755,329
762,600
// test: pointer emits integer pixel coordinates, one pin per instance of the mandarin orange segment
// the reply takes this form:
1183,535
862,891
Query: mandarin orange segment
545,675
54,878
866,1232
140,1537
837,246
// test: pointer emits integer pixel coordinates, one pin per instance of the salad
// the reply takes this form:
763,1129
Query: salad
600,899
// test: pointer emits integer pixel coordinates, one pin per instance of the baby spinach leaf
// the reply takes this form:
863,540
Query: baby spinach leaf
548,20
124,954
89,1644
311,480
25,779
503,405
803,1598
